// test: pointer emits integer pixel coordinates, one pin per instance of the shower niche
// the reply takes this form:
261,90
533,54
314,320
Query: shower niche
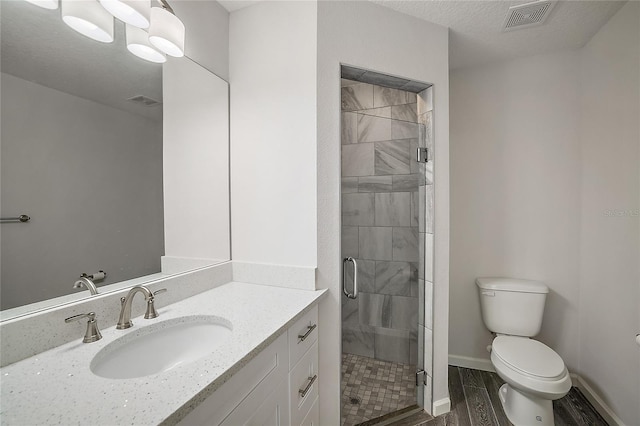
387,227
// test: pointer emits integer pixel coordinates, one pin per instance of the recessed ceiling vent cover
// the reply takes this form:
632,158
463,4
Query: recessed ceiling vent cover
527,15
144,101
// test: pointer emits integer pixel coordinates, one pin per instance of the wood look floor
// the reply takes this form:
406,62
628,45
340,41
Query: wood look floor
475,402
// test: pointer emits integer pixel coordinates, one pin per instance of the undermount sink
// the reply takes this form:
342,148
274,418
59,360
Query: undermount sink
161,347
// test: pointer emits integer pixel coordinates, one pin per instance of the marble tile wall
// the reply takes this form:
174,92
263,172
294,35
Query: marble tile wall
382,194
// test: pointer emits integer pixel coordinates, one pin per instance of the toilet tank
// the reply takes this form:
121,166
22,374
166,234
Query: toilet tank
512,306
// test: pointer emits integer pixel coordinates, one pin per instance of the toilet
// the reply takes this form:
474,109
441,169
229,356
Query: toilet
535,375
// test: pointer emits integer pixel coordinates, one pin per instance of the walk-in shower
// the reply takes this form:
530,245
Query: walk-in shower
387,244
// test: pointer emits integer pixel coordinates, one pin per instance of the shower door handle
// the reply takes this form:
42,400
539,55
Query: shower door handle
355,278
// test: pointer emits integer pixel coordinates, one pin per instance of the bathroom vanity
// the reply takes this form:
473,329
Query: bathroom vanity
278,387
264,367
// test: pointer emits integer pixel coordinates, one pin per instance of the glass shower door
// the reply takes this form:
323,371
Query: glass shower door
383,189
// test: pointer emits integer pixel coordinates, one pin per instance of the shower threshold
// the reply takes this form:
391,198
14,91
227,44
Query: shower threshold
413,412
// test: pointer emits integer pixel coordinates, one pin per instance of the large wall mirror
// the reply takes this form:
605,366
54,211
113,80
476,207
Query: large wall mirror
121,164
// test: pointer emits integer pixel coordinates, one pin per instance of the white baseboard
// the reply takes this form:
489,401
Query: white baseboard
598,403
441,406
468,362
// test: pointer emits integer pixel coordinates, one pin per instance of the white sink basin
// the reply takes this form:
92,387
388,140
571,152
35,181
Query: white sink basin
160,347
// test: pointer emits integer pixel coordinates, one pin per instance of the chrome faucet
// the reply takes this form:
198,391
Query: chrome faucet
93,333
87,281
124,321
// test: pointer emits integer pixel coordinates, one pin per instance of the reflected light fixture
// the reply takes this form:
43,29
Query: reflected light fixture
88,18
132,12
138,44
166,31
94,19
47,4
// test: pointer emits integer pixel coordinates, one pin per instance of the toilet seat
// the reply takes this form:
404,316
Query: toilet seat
530,366
529,357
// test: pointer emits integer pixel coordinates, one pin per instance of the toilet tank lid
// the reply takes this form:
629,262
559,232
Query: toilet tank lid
511,284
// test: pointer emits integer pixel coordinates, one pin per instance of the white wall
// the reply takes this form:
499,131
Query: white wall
545,185
207,33
610,256
273,132
195,162
515,170
373,37
90,177
196,133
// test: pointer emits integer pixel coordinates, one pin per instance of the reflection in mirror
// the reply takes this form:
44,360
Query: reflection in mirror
83,156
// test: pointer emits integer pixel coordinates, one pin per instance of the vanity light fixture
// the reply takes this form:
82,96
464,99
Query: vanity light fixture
47,4
167,30
94,19
88,18
138,44
132,12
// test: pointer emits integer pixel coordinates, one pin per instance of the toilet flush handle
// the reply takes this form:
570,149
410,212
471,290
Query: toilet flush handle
638,339
488,293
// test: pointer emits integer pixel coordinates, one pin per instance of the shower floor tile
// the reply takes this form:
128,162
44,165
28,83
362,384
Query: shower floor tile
372,388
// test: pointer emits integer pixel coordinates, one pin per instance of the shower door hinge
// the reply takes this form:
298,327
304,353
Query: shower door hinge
423,155
421,378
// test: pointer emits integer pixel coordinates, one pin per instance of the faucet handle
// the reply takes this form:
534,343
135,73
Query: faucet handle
97,276
93,333
151,309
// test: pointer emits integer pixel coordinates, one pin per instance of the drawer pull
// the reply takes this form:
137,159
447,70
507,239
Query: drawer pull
304,336
303,392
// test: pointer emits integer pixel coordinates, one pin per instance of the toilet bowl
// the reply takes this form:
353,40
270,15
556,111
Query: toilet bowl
535,374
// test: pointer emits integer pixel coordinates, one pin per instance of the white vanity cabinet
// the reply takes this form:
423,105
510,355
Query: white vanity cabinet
303,373
278,387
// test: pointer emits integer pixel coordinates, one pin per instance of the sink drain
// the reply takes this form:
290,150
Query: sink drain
355,401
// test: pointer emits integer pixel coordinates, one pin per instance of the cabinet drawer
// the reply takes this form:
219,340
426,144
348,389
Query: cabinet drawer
245,390
313,418
274,411
302,335
303,385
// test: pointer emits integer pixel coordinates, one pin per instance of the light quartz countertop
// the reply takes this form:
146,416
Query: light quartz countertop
58,387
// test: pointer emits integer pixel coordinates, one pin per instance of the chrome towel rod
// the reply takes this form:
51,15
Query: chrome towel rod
22,218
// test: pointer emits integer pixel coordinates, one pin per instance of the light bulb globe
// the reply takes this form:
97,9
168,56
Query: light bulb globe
132,12
167,32
88,18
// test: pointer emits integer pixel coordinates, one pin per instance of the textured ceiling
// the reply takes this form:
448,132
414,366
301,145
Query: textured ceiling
476,37
37,46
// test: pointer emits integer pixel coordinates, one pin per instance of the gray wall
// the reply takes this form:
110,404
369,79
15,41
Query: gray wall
90,176
380,214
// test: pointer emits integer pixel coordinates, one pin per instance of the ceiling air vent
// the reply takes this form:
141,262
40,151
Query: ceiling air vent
527,15
143,100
